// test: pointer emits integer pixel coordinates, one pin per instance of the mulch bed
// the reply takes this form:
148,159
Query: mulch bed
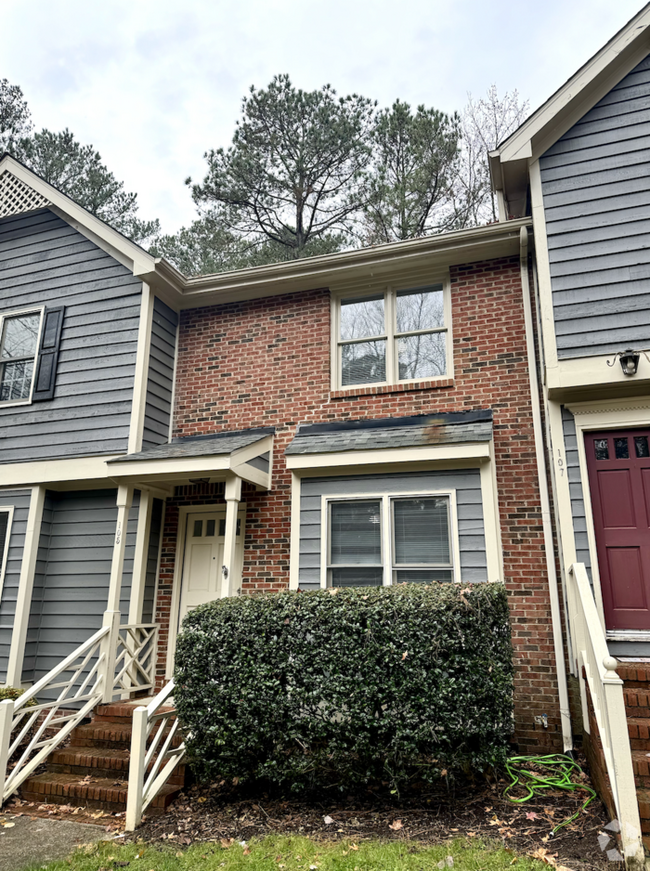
479,810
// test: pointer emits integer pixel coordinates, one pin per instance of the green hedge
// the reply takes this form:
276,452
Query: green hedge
346,687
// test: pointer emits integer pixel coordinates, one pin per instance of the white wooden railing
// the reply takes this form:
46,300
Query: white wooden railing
150,767
589,647
116,661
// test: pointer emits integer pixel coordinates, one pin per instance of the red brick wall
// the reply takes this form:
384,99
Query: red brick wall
266,362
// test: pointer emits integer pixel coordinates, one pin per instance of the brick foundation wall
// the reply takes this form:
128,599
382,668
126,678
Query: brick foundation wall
266,362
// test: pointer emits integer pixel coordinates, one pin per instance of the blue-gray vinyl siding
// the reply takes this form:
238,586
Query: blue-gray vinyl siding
45,261
471,528
575,489
155,534
596,190
20,500
160,380
73,574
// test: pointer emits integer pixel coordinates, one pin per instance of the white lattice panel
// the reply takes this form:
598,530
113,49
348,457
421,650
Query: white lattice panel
16,197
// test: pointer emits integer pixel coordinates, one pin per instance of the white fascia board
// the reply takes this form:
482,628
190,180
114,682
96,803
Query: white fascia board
588,373
607,67
442,250
243,455
79,469
391,456
110,240
162,469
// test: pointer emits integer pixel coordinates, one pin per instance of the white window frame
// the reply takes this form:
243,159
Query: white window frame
387,544
9,510
391,336
36,310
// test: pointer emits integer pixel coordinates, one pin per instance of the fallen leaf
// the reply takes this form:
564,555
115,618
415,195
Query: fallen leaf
247,851
396,825
226,843
201,799
531,815
404,655
8,825
353,847
328,821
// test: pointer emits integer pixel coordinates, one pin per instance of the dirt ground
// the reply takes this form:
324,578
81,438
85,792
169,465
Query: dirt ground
206,813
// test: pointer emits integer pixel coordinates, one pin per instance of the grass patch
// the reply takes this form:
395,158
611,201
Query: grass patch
296,854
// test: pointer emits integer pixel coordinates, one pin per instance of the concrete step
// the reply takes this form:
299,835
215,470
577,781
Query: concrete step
103,793
638,729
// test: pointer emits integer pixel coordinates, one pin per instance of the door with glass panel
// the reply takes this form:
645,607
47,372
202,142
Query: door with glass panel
203,559
384,540
619,479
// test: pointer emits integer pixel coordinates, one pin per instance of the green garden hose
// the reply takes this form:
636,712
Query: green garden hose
559,767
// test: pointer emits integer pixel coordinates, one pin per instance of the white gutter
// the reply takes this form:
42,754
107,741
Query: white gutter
556,620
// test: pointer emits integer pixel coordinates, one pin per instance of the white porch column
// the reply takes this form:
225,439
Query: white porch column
141,557
229,582
25,587
112,612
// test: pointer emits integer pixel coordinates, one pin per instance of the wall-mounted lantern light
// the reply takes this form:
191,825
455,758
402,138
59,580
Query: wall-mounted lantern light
629,360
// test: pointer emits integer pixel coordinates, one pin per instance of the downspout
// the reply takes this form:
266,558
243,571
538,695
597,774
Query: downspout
565,716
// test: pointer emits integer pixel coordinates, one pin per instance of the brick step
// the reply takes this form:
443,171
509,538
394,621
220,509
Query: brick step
102,793
100,762
641,766
643,797
121,712
634,673
638,728
108,734
637,701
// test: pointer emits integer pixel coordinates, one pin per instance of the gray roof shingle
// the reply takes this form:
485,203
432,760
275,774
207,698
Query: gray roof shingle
423,431
199,446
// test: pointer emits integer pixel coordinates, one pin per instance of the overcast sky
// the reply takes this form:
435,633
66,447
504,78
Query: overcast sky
153,84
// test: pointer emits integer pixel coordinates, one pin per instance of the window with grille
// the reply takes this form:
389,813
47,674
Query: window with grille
383,540
393,336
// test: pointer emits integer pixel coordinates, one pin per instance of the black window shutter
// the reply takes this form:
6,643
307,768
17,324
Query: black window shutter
48,354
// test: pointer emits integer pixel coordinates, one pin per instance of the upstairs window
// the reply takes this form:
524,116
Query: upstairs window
18,347
29,353
386,540
393,337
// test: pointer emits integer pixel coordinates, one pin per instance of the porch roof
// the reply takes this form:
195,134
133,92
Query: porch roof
245,453
199,446
393,432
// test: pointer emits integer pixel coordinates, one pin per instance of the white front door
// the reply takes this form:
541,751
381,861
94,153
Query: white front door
203,559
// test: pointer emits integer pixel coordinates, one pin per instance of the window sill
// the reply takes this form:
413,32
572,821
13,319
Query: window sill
379,389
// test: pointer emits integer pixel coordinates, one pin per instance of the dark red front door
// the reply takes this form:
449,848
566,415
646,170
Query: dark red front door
619,479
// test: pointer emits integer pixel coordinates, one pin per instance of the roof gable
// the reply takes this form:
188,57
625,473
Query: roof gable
593,81
21,191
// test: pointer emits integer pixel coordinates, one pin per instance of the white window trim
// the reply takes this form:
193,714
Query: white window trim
390,292
386,533
5,509
37,309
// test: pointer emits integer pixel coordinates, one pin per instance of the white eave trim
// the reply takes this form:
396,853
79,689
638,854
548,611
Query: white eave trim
583,90
462,246
110,240
173,469
479,451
